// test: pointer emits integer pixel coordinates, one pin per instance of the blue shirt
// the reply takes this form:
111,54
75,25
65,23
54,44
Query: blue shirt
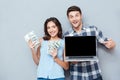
47,67
87,70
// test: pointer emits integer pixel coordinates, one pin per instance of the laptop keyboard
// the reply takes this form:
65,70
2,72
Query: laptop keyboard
86,58
80,57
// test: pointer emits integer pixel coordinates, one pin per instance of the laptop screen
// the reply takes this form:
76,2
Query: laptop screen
78,46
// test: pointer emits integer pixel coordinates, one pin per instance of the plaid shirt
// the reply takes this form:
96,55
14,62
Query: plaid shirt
87,70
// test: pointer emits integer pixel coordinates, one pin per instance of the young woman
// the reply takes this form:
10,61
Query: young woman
49,55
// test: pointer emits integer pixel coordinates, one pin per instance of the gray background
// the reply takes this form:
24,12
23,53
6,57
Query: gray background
18,17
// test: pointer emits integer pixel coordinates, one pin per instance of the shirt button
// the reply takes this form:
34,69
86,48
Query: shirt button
84,64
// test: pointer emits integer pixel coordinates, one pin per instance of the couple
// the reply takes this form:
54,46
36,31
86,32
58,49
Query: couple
50,62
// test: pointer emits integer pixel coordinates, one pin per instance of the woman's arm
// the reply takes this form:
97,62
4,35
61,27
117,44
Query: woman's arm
62,63
35,52
35,55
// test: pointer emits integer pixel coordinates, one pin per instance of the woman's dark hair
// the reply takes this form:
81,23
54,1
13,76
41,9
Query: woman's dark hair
73,8
57,23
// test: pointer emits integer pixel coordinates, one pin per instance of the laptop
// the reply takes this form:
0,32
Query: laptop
80,48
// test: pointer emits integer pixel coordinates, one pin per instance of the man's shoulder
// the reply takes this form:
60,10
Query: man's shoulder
90,26
68,32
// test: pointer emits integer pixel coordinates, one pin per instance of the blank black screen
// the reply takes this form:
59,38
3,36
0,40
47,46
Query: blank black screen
80,46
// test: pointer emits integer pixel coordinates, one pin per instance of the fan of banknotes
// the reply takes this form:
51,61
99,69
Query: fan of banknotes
33,37
53,45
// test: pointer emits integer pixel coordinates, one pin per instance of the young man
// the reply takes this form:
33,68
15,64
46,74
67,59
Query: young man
85,70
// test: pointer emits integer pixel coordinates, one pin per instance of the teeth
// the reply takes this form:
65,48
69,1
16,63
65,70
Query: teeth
52,33
74,22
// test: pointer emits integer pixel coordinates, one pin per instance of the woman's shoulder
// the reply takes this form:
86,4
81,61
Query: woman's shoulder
40,40
61,40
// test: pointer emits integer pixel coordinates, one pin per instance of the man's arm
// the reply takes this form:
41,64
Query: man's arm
109,44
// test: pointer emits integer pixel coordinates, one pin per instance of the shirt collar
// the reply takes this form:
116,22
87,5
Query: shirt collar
73,31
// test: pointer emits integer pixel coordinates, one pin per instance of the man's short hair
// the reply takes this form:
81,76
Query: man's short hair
73,8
